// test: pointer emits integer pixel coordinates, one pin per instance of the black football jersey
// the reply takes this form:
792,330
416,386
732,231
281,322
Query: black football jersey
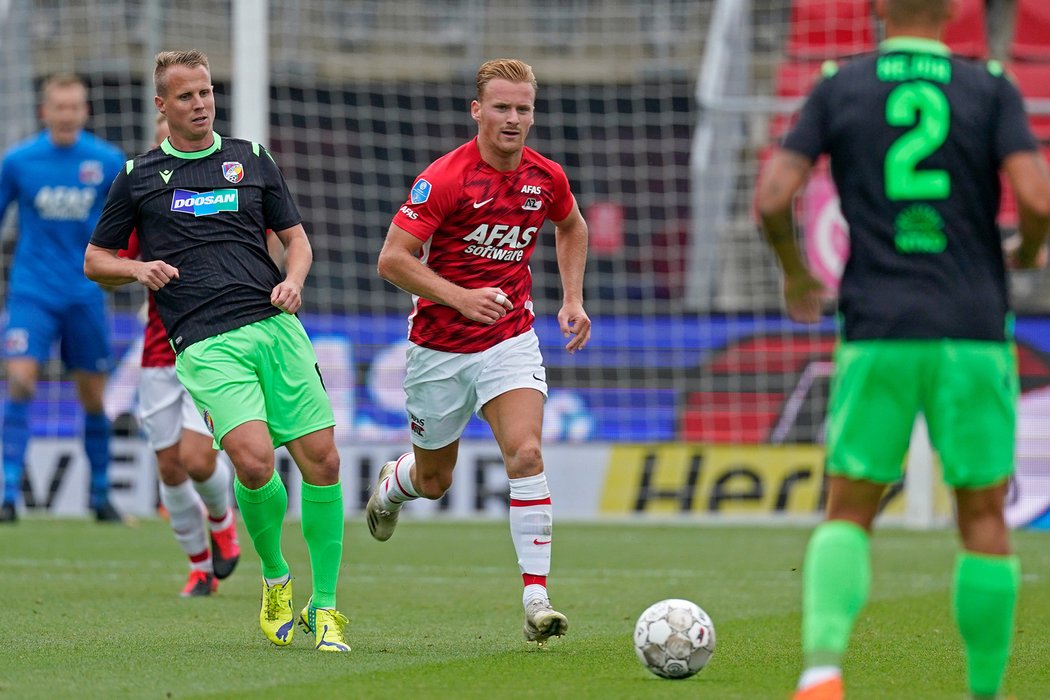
916,138
206,213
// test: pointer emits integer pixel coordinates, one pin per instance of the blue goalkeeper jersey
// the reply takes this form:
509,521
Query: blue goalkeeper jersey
60,192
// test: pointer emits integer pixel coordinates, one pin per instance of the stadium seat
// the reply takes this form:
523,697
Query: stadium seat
967,34
722,418
1033,80
1007,217
796,78
829,28
1031,38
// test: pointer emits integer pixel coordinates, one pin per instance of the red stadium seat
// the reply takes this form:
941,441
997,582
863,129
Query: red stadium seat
1031,39
1007,204
830,28
1033,80
796,78
967,33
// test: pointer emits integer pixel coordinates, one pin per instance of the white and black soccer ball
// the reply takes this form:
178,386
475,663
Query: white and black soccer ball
674,638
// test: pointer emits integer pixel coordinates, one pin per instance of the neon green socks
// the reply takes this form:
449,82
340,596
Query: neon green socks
323,531
836,580
985,599
263,510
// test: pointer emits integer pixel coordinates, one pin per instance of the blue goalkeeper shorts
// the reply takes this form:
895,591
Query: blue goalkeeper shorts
33,326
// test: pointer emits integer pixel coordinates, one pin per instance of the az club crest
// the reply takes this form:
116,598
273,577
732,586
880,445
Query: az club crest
91,173
233,171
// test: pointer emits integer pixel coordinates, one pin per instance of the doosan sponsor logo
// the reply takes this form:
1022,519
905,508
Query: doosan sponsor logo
204,203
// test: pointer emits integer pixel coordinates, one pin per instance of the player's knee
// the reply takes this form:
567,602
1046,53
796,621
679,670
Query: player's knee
991,538
199,467
983,531
253,470
325,467
526,460
170,471
92,405
20,388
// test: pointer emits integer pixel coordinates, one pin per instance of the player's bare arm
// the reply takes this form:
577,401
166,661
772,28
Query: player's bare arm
782,178
102,265
298,258
570,241
1029,178
399,264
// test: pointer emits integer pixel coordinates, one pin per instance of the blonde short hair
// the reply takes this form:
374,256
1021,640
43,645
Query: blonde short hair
506,69
190,58
59,80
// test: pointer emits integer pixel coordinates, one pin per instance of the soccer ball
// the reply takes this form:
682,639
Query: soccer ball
674,638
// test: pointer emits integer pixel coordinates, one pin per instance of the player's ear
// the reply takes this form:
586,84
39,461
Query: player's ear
475,110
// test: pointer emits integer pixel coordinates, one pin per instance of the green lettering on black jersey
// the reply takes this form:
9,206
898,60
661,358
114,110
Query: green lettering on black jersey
923,107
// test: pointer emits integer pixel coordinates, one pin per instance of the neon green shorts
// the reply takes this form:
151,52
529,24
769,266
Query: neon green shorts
966,389
264,371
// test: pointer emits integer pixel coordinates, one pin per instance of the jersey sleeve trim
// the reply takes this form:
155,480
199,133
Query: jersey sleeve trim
129,166
258,148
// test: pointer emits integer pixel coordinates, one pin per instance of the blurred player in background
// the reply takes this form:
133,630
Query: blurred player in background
59,178
916,139
472,220
194,484
201,204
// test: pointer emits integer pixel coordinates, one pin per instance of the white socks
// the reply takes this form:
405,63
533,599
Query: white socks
530,529
186,513
215,492
279,581
397,488
533,591
818,674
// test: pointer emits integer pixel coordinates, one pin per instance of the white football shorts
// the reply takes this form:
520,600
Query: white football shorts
444,388
165,408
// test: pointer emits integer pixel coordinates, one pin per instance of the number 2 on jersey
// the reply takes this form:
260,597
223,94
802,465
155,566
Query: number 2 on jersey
924,106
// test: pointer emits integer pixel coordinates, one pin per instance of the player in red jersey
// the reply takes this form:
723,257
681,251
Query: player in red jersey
194,484
473,218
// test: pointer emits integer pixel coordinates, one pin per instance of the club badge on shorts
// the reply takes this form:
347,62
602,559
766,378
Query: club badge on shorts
233,171
417,425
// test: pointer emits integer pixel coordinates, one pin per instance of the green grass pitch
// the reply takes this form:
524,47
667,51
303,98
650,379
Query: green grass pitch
92,612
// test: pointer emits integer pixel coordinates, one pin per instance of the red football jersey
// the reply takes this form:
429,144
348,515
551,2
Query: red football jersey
479,228
156,350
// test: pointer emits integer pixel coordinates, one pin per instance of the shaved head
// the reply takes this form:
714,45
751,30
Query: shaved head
910,12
